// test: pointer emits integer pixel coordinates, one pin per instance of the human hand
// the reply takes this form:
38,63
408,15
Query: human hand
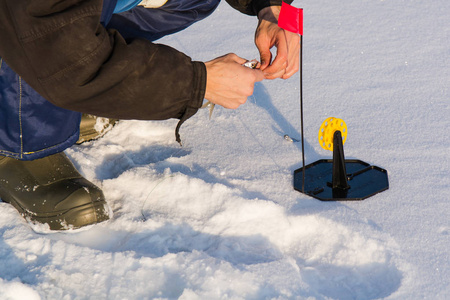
229,83
267,35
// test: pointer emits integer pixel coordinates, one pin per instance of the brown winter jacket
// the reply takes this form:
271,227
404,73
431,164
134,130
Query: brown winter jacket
61,50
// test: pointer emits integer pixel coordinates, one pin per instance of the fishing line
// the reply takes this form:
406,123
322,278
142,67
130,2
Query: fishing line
156,185
257,140
161,181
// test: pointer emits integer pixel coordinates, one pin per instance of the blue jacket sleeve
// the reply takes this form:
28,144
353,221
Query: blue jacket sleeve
153,24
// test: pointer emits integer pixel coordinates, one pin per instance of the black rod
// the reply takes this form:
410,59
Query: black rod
301,113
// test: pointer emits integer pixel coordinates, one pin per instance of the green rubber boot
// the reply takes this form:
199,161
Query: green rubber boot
93,127
50,191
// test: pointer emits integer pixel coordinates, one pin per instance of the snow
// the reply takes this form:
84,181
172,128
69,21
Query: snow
219,219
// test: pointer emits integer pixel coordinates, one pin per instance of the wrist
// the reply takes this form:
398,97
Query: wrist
269,13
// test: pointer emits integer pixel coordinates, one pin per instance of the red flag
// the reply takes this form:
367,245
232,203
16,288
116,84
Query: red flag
291,18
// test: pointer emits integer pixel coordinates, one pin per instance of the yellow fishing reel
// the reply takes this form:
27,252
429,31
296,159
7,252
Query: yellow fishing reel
327,130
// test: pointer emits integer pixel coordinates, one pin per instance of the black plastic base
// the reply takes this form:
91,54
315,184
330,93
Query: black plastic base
364,180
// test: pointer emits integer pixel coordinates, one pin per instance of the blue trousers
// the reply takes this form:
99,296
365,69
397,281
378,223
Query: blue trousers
31,127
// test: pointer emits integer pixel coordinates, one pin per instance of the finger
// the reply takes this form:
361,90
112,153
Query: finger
293,58
278,74
236,58
281,59
266,58
293,68
293,65
259,75
264,46
234,103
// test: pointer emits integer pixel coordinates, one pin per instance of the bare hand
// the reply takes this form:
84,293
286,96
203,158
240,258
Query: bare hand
268,34
229,83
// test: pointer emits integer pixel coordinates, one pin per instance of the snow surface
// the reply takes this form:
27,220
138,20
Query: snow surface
219,219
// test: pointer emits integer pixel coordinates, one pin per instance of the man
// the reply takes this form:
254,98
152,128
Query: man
97,57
